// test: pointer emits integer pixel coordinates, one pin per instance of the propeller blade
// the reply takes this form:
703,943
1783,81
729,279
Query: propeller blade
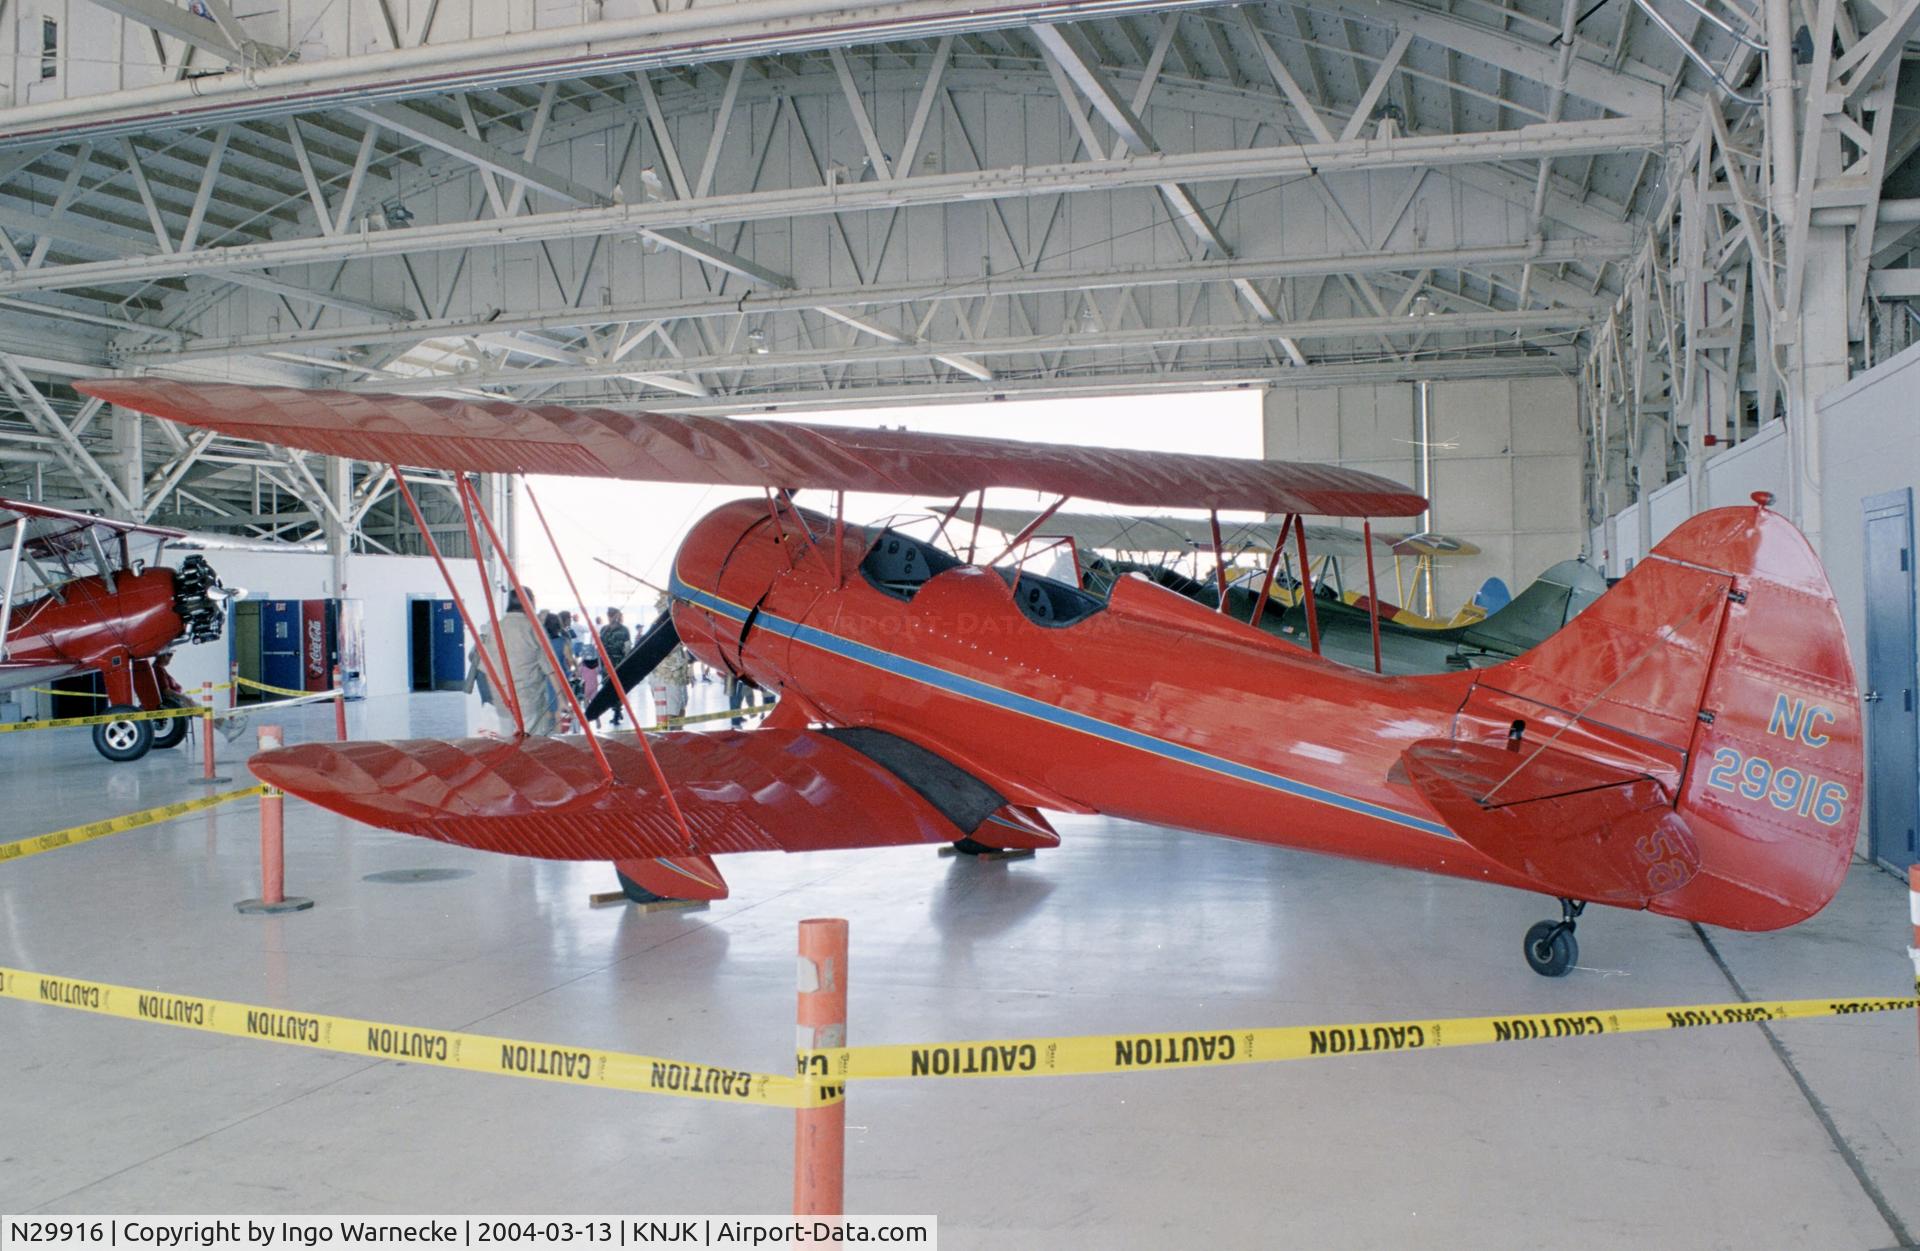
653,647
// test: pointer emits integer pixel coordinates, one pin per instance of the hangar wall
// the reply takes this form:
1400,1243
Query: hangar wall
1870,447
1867,448
1506,463
383,583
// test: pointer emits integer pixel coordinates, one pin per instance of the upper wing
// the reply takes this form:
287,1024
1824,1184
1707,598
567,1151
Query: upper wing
53,531
758,790
1136,532
1430,544
496,436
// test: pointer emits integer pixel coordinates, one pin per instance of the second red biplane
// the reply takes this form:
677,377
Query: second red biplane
1690,744
77,597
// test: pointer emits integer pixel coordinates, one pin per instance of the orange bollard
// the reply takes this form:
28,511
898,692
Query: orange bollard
1913,908
339,708
207,775
273,865
820,1133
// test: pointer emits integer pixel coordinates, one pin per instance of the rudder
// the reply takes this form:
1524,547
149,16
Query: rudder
1716,679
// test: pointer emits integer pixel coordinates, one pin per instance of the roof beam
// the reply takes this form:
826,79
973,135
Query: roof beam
1528,142
710,253
1612,89
1381,77
1106,340
412,124
678,36
1143,381
171,19
1031,283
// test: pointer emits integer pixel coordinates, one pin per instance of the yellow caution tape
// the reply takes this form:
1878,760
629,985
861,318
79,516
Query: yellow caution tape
48,690
827,1070
119,825
696,718
1140,1052
477,1053
279,690
105,718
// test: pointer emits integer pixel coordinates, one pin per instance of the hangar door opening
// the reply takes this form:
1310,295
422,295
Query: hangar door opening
1893,734
436,646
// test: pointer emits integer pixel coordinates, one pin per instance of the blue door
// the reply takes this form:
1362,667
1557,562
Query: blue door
280,644
449,646
1893,673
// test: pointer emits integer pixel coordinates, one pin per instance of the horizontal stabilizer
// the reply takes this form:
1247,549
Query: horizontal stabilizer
759,790
1581,828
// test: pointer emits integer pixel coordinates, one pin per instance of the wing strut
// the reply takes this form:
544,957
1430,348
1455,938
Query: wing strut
546,644
1307,588
486,585
1219,559
1373,596
460,603
613,675
1273,567
1027,533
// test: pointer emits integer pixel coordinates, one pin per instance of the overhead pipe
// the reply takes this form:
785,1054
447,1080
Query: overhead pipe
1705,66
1725,25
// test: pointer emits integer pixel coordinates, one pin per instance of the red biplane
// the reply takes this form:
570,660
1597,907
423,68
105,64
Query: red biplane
77,597
1690,744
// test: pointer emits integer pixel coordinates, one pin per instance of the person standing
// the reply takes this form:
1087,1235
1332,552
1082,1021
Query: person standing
618,640
562,642
674,673
740,698
517,649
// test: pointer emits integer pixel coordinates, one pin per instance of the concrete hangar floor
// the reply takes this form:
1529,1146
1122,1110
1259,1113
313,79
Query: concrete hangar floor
1700,1138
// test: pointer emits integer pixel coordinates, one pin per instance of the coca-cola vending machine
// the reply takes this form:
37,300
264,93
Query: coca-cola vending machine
317,649
333,634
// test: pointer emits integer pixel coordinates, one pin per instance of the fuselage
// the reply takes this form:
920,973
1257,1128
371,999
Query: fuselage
1148,707
89,625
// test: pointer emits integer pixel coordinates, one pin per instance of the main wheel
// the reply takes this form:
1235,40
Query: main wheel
1551,949
173,731
123,740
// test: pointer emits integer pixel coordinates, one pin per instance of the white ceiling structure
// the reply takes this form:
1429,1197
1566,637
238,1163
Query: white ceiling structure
756,205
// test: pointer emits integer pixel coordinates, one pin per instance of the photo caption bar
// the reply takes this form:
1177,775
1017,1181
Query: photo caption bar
309,1233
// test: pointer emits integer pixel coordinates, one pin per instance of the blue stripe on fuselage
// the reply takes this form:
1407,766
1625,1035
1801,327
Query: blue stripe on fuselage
972,688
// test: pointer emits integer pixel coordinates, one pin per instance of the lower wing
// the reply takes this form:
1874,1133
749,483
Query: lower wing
756,790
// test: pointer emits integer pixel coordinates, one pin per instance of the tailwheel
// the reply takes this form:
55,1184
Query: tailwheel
1551,948
123,740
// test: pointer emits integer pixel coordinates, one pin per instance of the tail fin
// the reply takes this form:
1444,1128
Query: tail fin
1690,744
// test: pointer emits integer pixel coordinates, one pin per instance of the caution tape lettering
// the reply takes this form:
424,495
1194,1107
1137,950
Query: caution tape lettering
579,1066
105,718
975,1061
283,1026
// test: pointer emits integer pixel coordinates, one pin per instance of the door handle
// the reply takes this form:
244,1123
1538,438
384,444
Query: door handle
1870,697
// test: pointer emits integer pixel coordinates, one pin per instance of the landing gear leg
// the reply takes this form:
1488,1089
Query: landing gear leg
1550,948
